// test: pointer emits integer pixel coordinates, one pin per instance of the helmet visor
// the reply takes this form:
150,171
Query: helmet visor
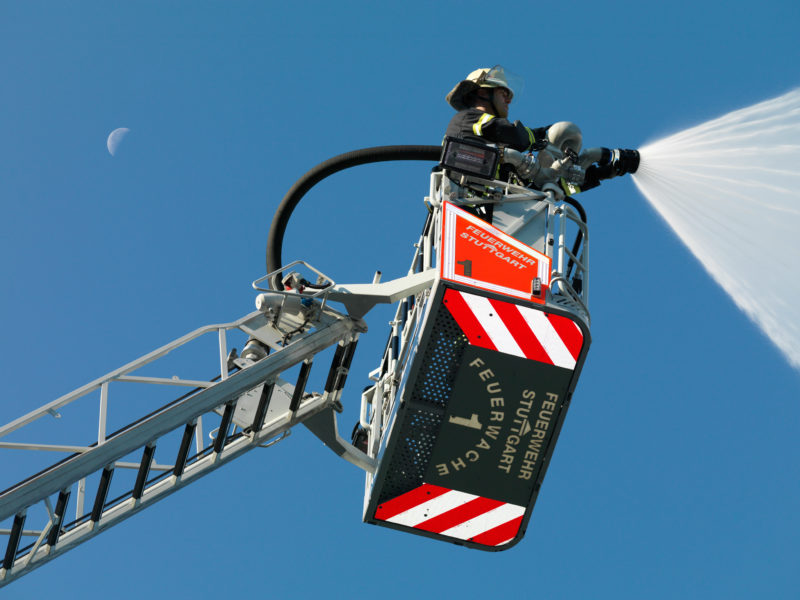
497,76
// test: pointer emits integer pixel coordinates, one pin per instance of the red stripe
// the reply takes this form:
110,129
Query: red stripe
467,320
499,534
459,514
402,503
569,332
520,331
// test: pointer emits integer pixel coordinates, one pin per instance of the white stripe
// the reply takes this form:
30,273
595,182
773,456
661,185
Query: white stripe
432,508
548,337
544,271
489,319
449,257
486,521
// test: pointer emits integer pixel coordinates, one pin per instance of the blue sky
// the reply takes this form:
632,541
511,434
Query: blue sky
676,472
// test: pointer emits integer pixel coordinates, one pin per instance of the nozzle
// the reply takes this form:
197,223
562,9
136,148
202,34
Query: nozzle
624,161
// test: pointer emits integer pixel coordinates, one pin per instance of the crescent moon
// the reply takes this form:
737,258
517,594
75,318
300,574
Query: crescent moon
115,138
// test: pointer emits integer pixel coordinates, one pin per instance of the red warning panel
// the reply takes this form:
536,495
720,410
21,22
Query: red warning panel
454,514
514,329
478,254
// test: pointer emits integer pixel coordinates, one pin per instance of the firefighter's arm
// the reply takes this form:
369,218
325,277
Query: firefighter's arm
514,135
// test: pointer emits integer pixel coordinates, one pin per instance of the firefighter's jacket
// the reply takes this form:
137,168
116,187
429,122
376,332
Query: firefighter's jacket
476,125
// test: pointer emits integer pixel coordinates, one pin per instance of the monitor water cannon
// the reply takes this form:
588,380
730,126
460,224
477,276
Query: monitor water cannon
563,153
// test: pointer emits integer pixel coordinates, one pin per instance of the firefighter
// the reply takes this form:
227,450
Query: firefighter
482,101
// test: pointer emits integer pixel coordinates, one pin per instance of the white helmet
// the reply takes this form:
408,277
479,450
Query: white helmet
495,77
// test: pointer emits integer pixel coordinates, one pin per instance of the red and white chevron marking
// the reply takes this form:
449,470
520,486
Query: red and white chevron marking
515,329
454,514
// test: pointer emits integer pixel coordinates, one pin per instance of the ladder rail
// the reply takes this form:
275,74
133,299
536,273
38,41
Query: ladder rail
121,373
158,488
52,480
286,409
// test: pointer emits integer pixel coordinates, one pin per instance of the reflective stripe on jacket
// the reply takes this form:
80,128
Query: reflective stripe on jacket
474,124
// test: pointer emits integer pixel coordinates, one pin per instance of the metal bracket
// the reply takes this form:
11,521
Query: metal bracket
360,298
324,426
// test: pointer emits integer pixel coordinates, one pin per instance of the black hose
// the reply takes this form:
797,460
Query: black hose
320,172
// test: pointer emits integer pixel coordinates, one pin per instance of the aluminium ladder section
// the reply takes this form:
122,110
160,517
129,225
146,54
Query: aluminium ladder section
252,399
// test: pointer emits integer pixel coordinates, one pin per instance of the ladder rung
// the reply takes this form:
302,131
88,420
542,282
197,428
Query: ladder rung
341,377
13,540
222,432
60,511
335,364
263,404
183,451
144,471
102,493
300,386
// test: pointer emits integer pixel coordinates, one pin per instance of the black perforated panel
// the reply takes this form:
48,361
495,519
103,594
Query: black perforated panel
440,361
413,452
420,428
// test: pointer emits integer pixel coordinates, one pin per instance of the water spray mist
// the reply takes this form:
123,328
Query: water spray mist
730,189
